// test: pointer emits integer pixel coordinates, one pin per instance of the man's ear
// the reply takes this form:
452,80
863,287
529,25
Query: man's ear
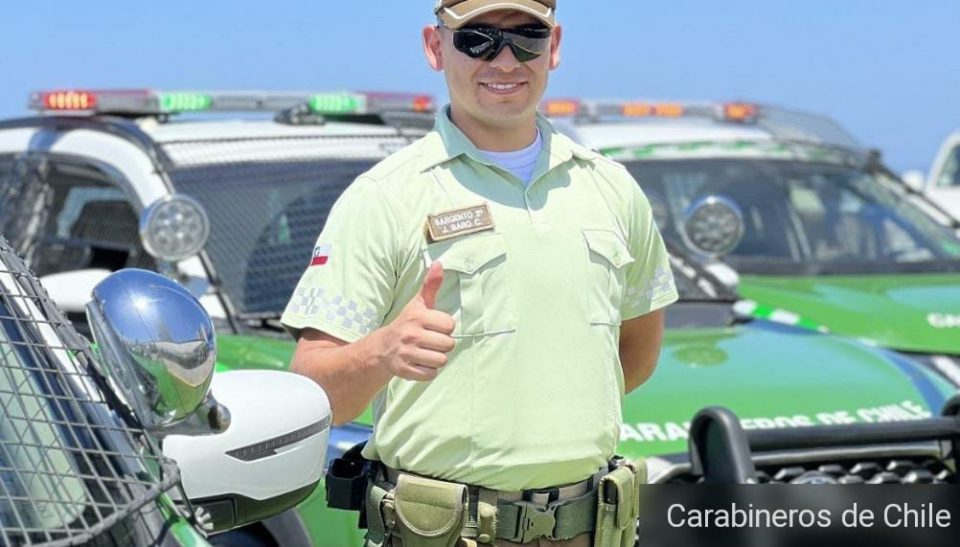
555,47
433,46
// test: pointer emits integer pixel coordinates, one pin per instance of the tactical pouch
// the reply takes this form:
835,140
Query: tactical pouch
618,508
428,513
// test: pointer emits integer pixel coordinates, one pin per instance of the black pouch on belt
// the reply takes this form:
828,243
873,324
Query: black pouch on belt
346,480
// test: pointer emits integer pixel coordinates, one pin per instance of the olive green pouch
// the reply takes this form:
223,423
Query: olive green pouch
617,509
429,513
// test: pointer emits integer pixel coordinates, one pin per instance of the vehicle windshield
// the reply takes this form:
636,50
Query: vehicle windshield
267,211
949,175
69,468
803,217
265,218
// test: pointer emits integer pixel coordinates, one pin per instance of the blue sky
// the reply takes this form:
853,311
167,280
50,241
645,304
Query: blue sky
887,70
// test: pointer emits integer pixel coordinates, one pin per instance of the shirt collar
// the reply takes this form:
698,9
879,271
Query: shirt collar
446,142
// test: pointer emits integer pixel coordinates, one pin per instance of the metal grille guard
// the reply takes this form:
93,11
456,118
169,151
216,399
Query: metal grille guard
721,451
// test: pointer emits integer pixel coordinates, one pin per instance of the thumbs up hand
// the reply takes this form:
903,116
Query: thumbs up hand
415,345
431,285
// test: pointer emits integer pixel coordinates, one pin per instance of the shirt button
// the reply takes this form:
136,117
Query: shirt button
468,264
616,260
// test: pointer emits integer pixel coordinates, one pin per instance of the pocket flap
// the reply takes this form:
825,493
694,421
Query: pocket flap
609,245
428,507
469,254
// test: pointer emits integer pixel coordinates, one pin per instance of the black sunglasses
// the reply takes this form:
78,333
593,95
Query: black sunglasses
486,42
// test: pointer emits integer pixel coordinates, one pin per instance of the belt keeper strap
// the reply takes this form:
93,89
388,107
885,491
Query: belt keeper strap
487,517
376,527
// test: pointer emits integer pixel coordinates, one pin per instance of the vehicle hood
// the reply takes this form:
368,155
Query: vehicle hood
916,312
772,375
257,352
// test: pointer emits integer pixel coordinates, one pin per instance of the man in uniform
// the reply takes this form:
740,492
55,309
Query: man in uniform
494,290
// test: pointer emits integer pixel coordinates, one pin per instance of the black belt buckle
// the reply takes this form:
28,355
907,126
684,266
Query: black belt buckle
346,481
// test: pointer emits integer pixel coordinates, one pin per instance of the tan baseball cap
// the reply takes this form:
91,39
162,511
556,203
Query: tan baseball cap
456,13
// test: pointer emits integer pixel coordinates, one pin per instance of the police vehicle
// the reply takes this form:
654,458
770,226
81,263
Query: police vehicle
227,205
812,221
81,428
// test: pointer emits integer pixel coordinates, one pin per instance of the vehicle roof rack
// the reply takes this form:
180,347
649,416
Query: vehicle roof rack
134,103
781,123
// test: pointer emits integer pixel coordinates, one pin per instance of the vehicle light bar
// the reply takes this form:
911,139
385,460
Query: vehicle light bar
740,112
369,103
69,100
596,109
780,122
145,102
559,108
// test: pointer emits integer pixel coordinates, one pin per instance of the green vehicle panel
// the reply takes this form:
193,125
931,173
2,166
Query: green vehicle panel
772,375
920,312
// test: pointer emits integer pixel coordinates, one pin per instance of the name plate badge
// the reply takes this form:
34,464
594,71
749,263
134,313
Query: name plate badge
459,222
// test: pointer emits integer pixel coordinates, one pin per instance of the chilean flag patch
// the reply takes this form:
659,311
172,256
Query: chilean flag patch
321,255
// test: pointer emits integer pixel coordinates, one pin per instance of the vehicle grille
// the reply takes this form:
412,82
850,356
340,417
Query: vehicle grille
899,470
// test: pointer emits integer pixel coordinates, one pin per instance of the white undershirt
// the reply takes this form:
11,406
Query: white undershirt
519,162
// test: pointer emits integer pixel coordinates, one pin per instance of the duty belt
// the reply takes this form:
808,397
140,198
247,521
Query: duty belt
558,513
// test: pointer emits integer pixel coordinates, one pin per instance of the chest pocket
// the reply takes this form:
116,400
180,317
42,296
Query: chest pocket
605,276
479,263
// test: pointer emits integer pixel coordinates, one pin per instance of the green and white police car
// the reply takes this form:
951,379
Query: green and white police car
229,207
812,221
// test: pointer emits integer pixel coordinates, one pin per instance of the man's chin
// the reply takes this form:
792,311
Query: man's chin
505,115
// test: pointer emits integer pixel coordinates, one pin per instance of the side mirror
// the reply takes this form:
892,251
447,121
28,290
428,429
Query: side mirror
174,228
915,180
713,226
270,458
158,348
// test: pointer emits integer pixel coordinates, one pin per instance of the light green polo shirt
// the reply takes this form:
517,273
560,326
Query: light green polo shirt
531,396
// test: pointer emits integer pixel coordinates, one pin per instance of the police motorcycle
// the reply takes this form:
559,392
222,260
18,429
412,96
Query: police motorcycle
134,440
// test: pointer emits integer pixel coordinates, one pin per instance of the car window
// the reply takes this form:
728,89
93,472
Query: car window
802,216
949,176
67,216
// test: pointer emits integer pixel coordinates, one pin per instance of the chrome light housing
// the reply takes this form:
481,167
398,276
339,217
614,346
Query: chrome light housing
713,225
174,228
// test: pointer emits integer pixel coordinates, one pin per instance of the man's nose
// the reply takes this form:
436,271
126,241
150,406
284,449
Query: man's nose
505,61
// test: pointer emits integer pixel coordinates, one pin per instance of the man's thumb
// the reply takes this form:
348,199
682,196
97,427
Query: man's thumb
431,285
